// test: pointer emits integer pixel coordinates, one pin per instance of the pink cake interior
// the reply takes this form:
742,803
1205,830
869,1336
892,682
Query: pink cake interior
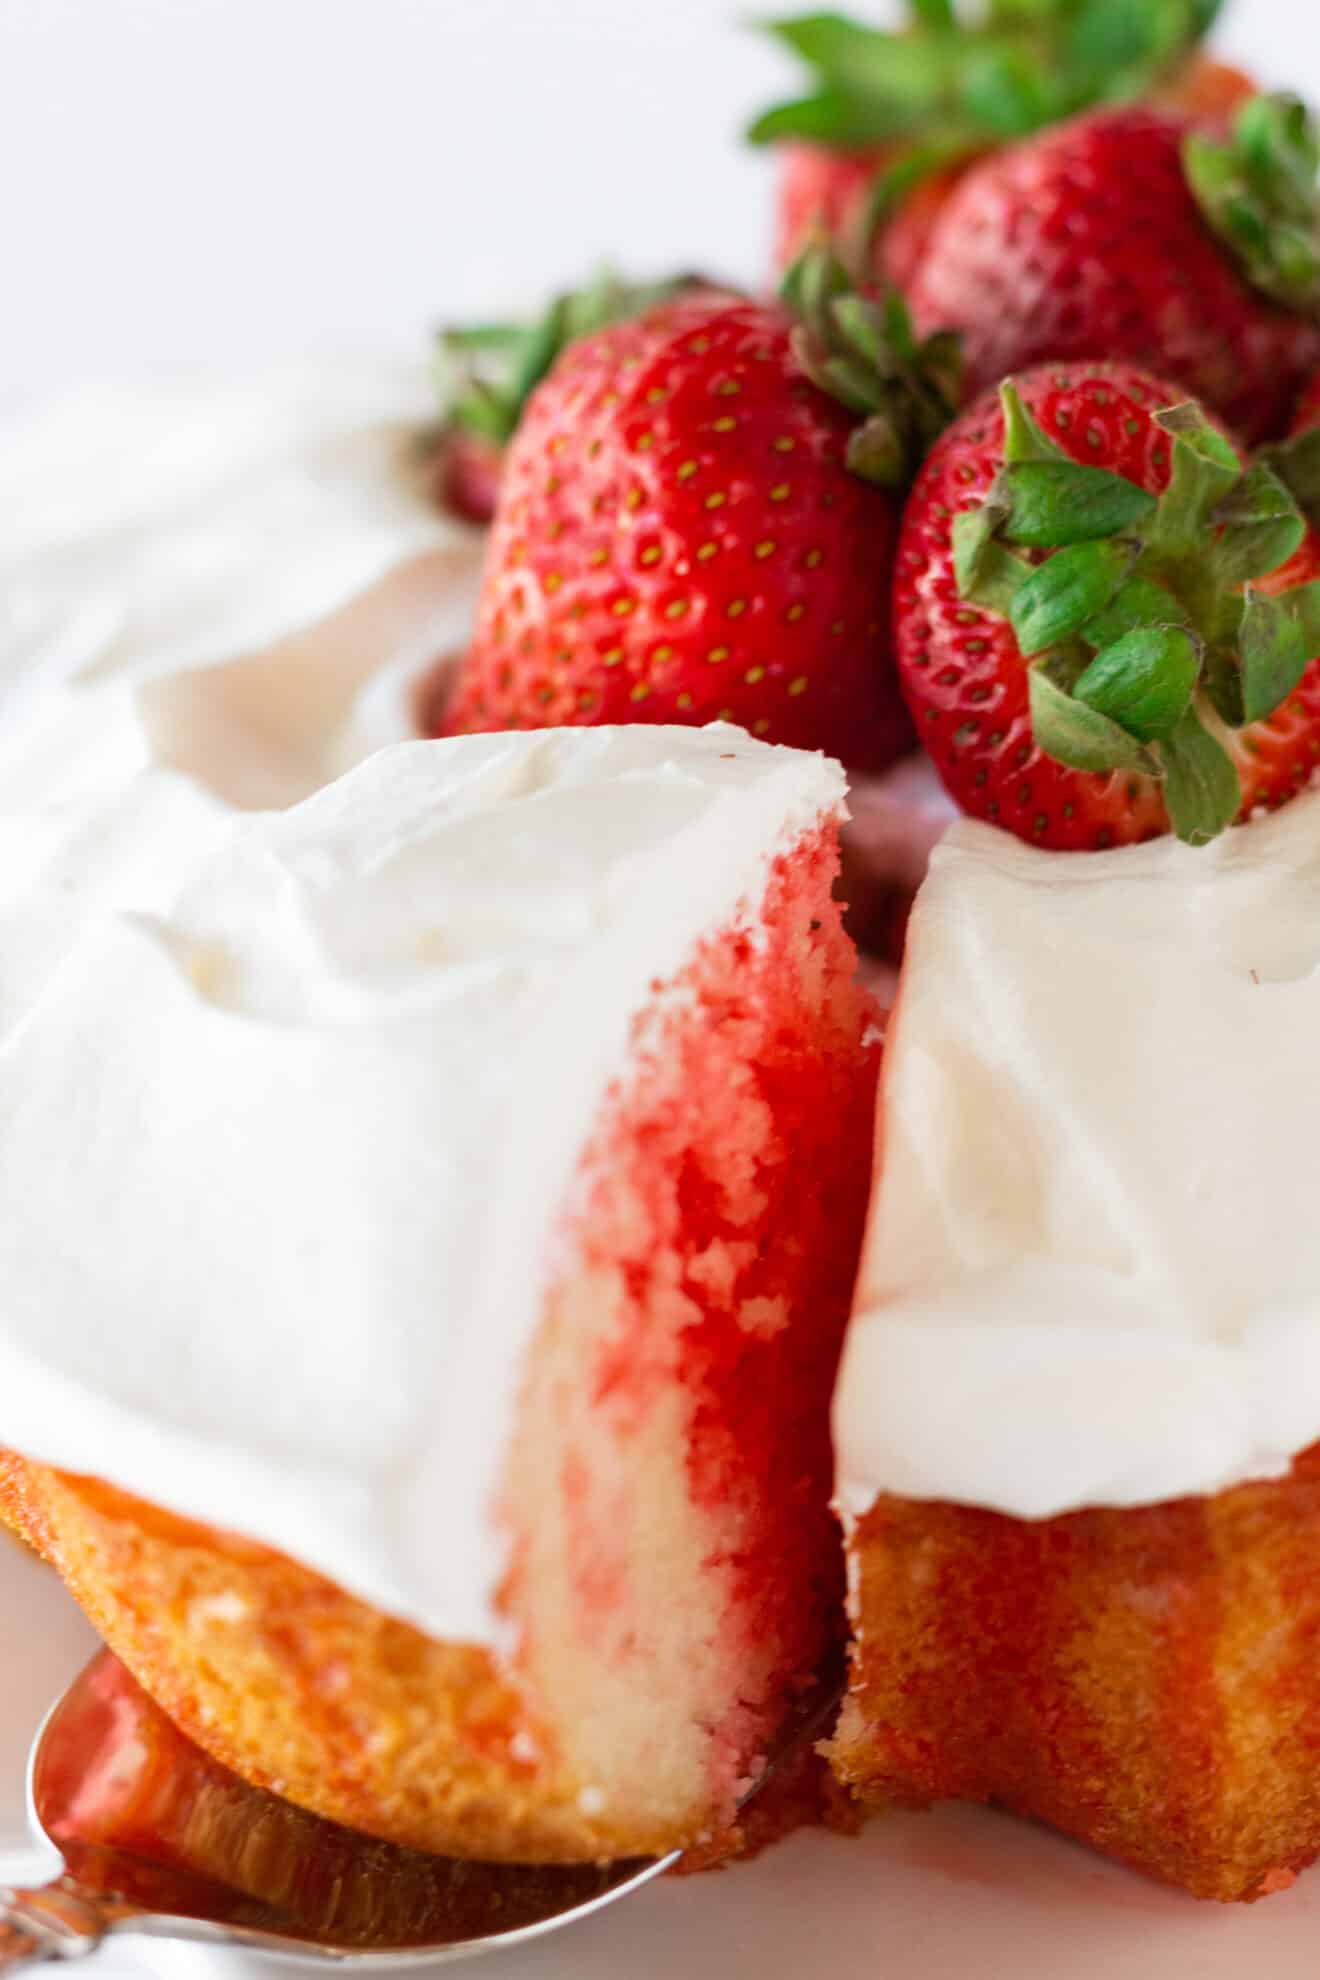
680,1571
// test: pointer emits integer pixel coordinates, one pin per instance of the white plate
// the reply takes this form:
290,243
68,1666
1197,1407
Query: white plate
959,1894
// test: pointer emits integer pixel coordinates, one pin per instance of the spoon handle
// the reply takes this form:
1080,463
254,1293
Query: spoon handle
56,1922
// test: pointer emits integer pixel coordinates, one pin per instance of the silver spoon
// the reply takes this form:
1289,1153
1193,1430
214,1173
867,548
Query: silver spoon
216,1861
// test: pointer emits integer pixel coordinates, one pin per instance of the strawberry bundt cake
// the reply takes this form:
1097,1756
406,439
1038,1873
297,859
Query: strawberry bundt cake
431,1237
1077,1416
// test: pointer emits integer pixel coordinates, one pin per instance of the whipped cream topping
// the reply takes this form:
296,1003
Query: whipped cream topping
212,595
286,1156
234,579
289,1098
1092,1273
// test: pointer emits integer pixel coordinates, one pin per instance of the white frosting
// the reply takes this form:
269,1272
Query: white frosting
289,1100
216,576
212,594
1092,1274
283,1161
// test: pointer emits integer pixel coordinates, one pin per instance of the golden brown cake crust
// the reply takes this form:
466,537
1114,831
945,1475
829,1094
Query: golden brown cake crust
1145,1679
303,1690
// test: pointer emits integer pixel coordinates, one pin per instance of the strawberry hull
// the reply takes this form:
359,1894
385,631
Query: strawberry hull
970,683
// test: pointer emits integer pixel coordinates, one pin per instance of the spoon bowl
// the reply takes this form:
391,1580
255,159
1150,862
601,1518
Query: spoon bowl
158,1839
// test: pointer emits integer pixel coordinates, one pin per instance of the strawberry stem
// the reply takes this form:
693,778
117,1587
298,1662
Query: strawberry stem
486,373
865,355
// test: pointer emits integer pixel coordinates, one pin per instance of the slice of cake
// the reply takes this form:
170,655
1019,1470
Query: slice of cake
1079,1405
429,1244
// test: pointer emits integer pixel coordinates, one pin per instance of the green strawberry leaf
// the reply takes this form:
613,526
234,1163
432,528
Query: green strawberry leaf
986,573
1144,681
939,362
1221,680
1201,786
1024,438
485,373
1297,464
1061,595
1112,36
1279,639
863,353
1006,94
937,14
1204,468
1055,503
880,340
832,117
988,73
870,85
1078,736
876,452
1261,527
1258,193
1137,603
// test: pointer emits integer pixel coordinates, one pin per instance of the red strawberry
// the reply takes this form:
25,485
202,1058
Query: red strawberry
900,247
466,474
892,119
486,373
831,193
687,531
1128,234
1071,625
821,190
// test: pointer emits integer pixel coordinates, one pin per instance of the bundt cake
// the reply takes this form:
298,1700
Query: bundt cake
1077,1415
432,1233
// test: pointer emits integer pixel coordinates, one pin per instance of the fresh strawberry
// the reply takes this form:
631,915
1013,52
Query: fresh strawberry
821,192
878,206
900,246
485,374
466,472
1130,234
892,119
1083,625
698,521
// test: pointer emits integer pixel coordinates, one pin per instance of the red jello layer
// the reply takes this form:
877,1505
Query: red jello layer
730,1183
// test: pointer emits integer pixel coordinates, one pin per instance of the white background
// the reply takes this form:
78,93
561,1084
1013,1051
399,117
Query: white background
222,180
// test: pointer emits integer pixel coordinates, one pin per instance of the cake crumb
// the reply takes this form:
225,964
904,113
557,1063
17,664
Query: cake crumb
226,1607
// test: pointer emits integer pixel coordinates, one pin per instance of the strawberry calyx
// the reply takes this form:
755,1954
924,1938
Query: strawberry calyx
485,373
1297,463
863,352
1257,188
1147,641
1014,67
